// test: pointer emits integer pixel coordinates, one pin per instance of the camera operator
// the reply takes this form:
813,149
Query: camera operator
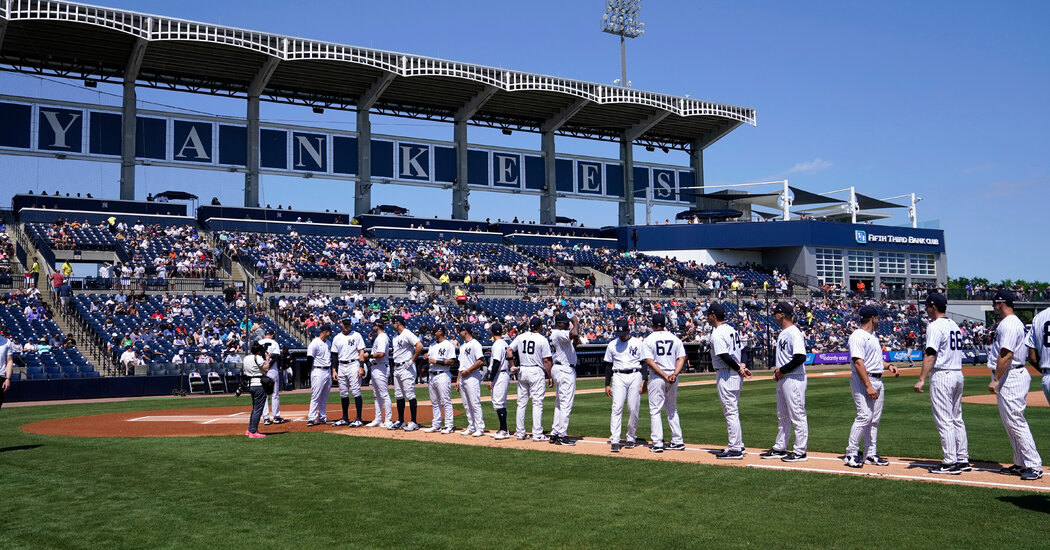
255,368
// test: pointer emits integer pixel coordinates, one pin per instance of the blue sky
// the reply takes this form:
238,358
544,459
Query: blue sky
946,99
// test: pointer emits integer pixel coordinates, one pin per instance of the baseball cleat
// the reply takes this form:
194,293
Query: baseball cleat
387,425
656,448
949,469
341,422
795,457
323,421
411,427
730,454
374,424
852,462
630,444
502,434
540,437
520,436
773,453
876,460
553,440
466,431
257,435
357,423
279,420
397,425
615,448
267,422
1031,474
964,466
478,433
446,431
434,428
676,447
310,423
1014,470
565,441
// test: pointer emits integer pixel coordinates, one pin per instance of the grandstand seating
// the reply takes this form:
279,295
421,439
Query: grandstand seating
312,256
484,262
64,362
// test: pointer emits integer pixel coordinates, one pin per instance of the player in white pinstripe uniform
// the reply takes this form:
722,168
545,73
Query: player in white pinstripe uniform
320,377
665,358
1038,342
404,350
533,355
865,384
1010,384
564,339
441,356
349,349
725,358
380,367
942,362
626,380
468,380
790,375
499,378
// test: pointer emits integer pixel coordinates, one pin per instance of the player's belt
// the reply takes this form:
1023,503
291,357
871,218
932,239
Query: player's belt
404,364
348,362
1046,370
627,371
571,366
323,367
874,375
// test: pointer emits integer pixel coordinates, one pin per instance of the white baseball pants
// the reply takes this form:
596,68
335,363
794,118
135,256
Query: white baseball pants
470,390
1013,390
499,390
664,396
381,391
1046,386
728,385
531,384
869,412
320,387
946,390
349,382
791,411
440,387
274,397
626,386
565,387
405,383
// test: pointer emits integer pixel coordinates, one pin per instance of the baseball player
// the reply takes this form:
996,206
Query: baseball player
665,357
564,339
406,349
7,359
942,362
468,381
865,353
441,356
1038,342
625,380
1010,384
320,377
790,375
499,378
725,358
349,349
533,355
274,399
379,370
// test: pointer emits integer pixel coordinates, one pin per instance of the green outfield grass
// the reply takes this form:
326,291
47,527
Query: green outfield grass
310,489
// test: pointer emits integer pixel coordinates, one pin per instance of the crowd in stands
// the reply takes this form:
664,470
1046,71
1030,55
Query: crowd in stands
164,252
36,340
468,263
7,250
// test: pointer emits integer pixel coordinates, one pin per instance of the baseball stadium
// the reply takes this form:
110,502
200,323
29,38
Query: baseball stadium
754,363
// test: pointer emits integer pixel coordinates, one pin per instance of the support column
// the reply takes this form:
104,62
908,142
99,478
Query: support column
549,198
696,162
129,122
255,90
363,186
627,160
460,191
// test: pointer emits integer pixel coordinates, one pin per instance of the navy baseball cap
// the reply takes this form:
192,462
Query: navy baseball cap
346,321
659,320
785,308
717,309
1005,296
561,318
398,320
937,300
622,327
866,312
466,328
324,328
496,328
535,323
438,328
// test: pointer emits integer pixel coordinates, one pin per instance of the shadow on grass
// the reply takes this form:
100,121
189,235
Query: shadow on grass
19,448
1035,503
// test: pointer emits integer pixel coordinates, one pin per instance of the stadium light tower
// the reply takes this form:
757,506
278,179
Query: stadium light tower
621,18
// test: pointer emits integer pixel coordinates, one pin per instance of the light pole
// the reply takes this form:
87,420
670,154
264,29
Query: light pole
621,18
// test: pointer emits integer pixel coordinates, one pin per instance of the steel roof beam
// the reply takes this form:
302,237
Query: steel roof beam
557,121
128,120
262,77
467,111
369,98
636,131
705,141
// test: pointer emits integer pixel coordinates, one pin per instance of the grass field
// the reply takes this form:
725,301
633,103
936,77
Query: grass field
311,489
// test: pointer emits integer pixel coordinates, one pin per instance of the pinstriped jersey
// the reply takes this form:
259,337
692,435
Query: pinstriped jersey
945,338
1009,335
1038,337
